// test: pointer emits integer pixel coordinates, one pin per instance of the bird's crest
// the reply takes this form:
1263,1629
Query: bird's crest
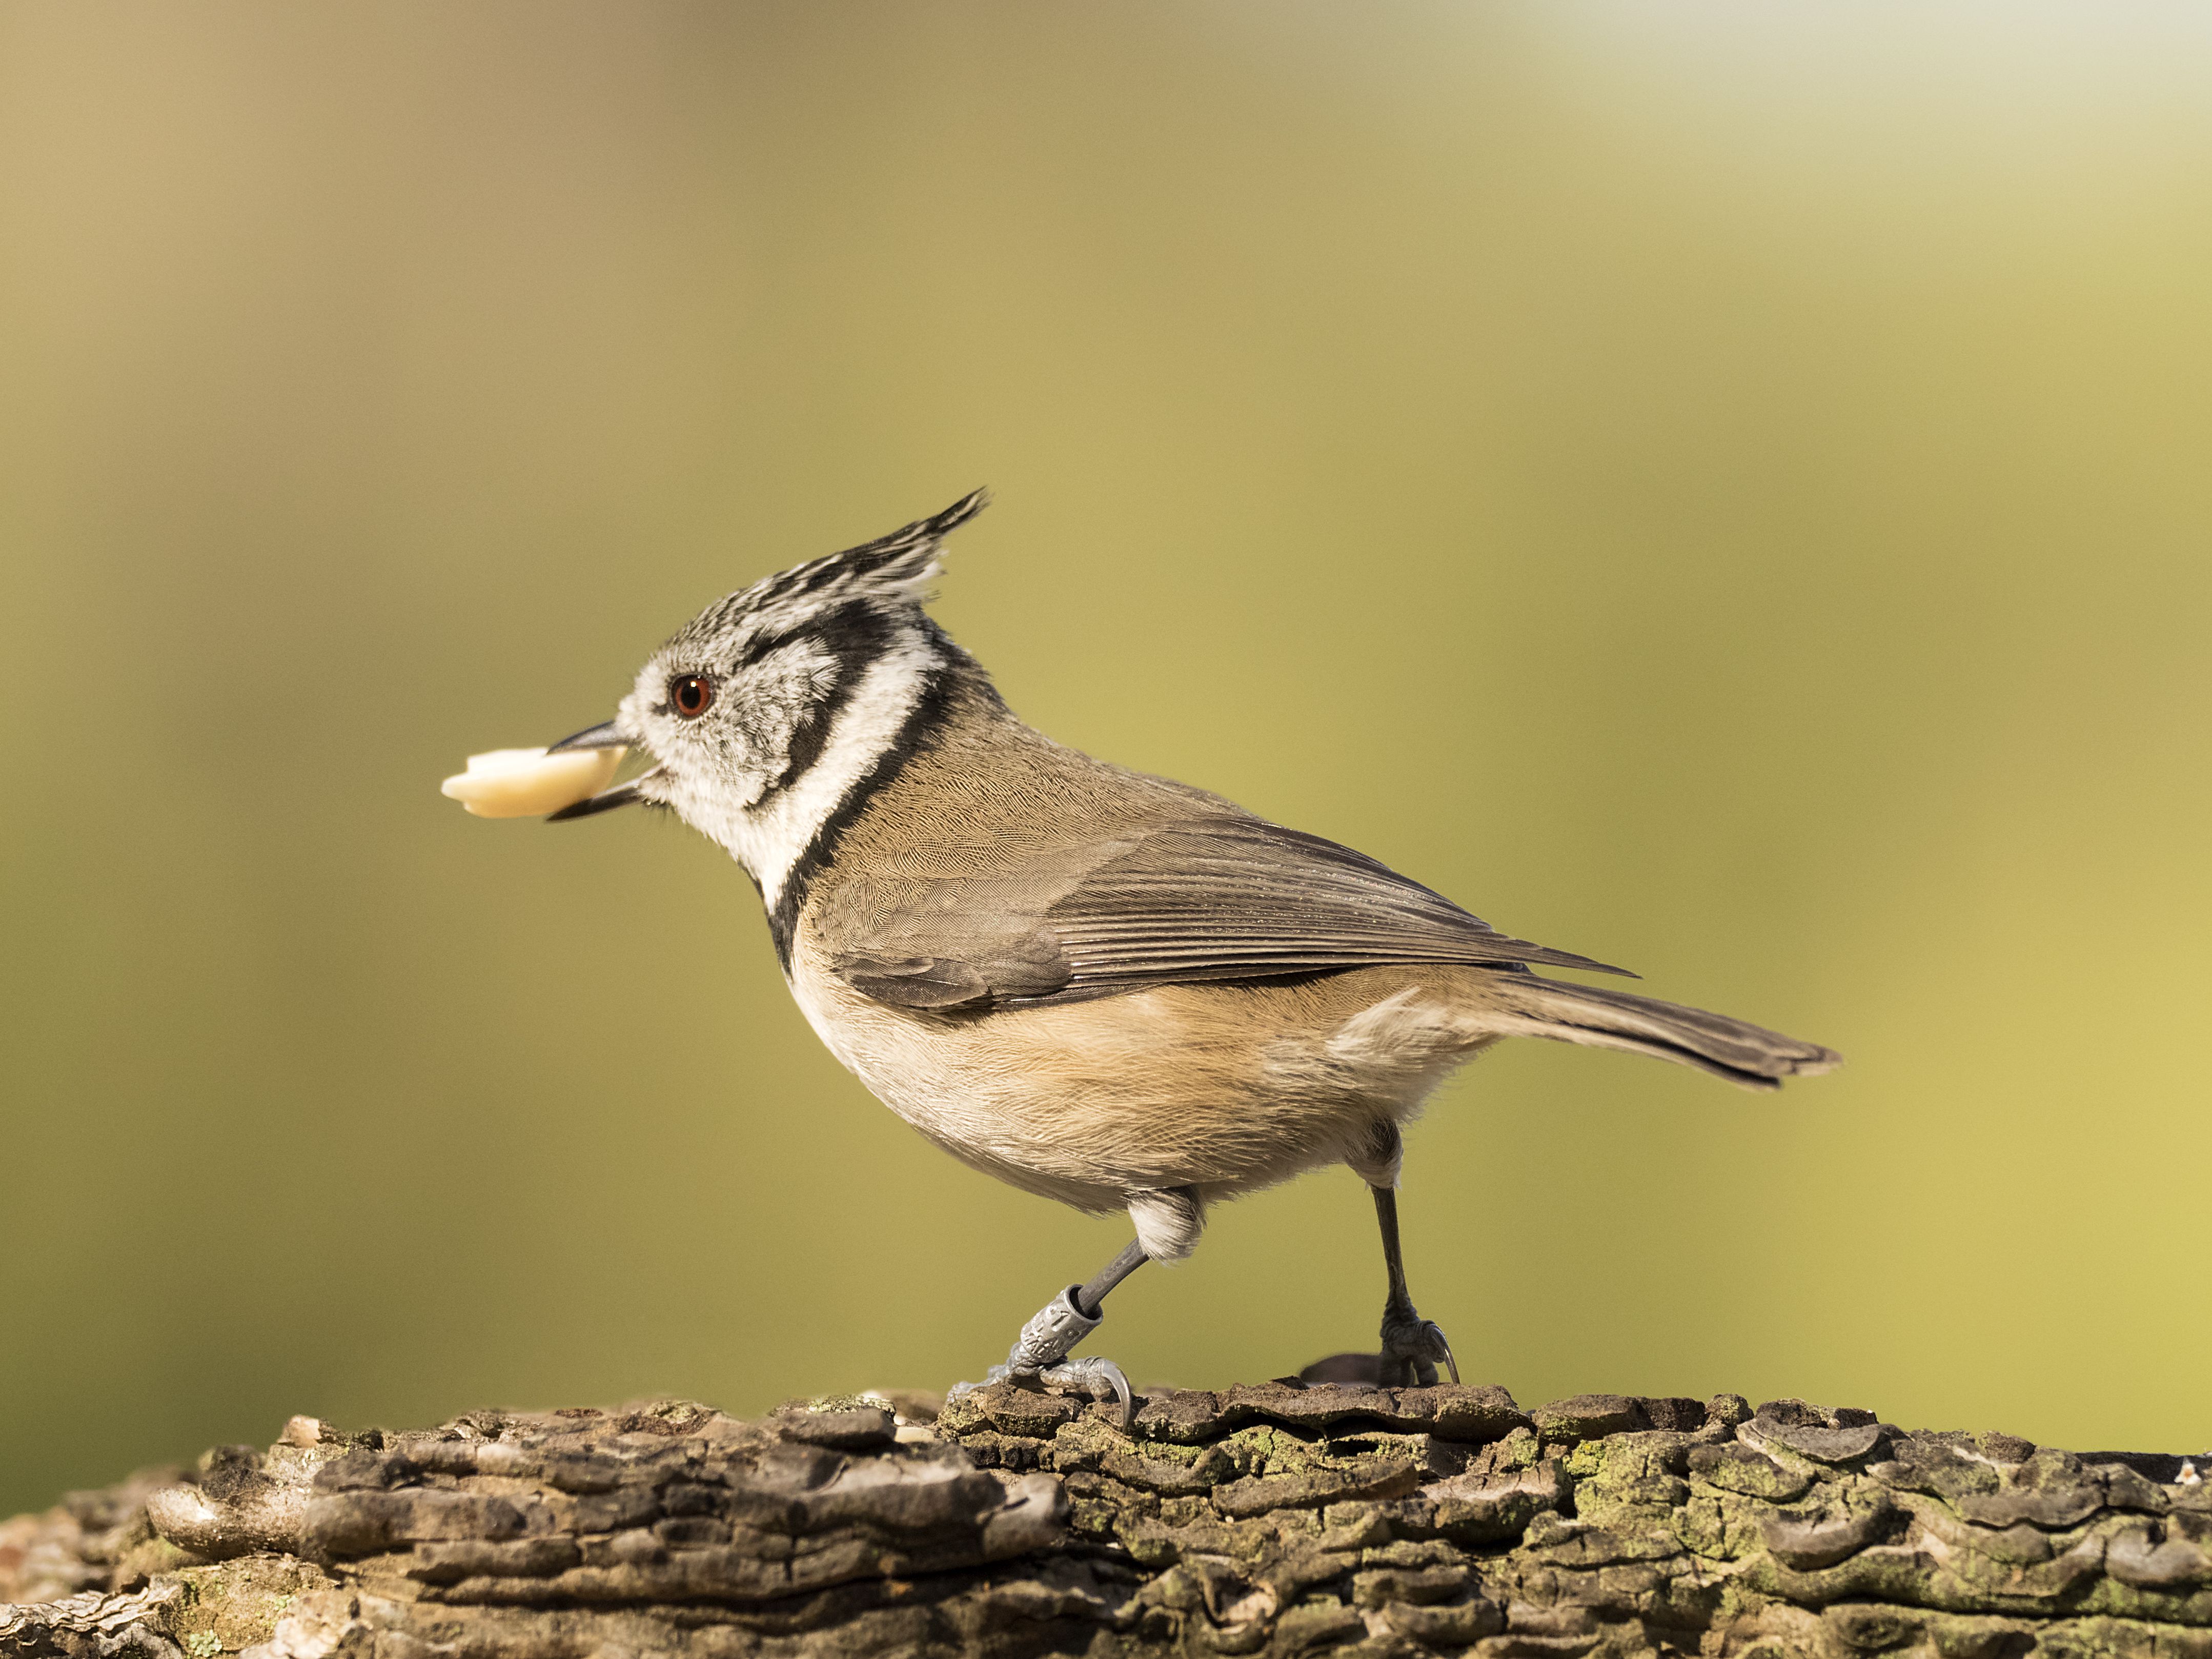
894,569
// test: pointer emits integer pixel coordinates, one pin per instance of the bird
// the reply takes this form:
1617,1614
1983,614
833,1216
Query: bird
1105,987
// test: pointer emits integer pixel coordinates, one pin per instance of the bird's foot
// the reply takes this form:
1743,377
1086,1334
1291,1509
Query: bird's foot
1039,1357
1100,1379
1411,1348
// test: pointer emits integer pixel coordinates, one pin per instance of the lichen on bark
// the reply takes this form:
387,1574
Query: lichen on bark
1284,1518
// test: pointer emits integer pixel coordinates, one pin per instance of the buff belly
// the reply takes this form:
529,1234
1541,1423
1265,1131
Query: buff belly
1219,1087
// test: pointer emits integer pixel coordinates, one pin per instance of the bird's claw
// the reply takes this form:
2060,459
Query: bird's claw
1101,1379
1412,1347
1039,1358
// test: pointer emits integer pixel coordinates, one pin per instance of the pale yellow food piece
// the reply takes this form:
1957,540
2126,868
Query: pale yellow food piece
525,783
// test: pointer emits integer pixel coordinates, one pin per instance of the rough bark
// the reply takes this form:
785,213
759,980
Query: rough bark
1284,1519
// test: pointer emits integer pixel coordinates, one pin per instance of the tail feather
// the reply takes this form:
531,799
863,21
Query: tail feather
1746,1055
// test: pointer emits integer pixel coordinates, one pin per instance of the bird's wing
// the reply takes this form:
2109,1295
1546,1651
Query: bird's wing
1205,898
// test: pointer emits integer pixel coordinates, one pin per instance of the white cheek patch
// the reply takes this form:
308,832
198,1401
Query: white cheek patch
772,701
528,783
768,837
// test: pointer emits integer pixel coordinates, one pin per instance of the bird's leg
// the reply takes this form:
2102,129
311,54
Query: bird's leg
1412,1346
1100,1378
1041,1351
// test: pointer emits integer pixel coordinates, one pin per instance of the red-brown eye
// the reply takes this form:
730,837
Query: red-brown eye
690,696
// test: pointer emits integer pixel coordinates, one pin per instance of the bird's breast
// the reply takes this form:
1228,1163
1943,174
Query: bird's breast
1221,1086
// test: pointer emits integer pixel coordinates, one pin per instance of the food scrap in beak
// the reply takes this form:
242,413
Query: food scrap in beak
525,783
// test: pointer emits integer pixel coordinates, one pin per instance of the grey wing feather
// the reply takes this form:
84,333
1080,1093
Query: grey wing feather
1239,898
1209,899
915,982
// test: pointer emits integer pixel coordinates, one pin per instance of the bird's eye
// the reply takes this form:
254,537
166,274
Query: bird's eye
690,696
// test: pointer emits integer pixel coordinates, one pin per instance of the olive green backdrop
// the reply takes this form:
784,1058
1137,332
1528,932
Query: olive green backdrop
1723,488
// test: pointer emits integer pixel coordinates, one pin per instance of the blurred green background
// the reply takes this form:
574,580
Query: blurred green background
1719,486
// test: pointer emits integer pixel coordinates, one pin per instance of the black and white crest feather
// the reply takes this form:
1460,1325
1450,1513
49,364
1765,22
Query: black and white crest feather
896,568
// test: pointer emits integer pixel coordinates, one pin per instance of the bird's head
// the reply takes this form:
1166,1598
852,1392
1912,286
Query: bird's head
766,712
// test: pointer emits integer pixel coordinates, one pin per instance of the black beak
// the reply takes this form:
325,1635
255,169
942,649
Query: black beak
602,736
623,794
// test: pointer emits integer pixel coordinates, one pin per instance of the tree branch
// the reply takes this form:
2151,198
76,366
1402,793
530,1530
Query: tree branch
1284,1518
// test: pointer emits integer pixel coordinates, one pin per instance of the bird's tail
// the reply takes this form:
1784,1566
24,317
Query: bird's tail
1746,1055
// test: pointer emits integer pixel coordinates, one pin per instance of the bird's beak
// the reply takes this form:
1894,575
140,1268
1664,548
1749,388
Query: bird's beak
602,736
